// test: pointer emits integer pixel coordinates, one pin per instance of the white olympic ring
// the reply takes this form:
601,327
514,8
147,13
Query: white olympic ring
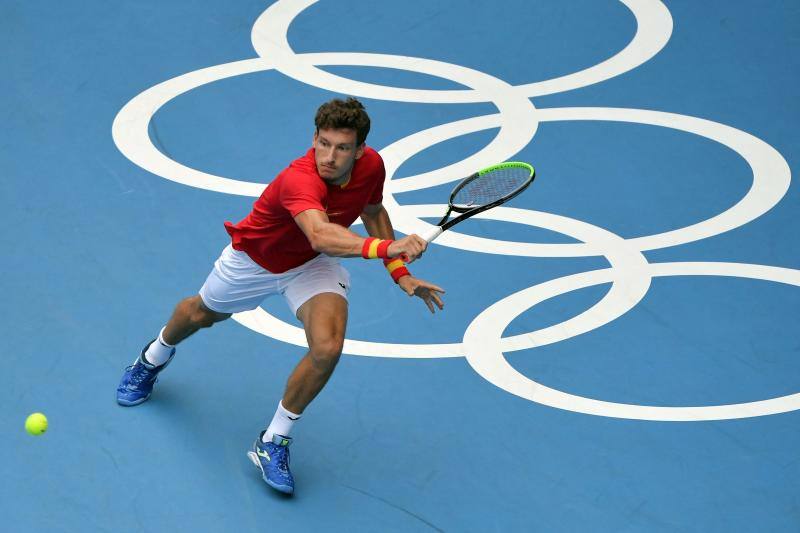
270,39
517,120
484,352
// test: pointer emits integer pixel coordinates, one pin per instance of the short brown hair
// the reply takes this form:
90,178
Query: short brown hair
339,113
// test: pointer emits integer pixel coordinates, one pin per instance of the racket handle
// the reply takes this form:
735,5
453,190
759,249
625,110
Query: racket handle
431,234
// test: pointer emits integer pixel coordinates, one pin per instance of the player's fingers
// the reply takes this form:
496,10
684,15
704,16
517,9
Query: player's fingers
422,243
432,287
430,305
416,248
439,302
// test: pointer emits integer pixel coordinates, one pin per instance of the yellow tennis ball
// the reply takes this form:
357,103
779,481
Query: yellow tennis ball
36,424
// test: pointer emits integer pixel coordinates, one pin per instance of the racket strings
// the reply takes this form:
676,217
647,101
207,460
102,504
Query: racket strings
491,186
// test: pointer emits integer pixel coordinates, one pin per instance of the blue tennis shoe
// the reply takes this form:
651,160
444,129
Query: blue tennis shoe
272,458
137,382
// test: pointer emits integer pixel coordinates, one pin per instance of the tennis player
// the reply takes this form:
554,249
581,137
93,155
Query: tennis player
289,244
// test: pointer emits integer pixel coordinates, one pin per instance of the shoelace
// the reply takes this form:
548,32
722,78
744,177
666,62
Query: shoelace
139,374
283,460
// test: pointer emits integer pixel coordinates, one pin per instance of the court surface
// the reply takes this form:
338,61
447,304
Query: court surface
619,347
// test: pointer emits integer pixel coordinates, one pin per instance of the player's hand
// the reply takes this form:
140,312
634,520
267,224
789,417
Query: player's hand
408,248
421,288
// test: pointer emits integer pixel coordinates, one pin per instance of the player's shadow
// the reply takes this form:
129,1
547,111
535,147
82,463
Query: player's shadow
210,425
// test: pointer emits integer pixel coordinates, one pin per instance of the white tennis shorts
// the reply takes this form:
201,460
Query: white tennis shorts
237,283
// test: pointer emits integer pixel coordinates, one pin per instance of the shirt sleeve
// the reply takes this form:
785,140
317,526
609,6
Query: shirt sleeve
300,192
377,192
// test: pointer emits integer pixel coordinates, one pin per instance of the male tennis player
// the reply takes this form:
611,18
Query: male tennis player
288,245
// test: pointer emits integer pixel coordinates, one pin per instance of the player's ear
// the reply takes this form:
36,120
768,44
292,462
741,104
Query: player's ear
314,140
360,150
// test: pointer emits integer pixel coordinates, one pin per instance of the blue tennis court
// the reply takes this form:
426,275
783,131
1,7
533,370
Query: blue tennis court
618,350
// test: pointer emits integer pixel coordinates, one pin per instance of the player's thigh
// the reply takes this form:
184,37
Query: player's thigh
324,318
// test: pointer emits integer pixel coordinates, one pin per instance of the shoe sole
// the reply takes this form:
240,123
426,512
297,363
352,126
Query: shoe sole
131,403
280,488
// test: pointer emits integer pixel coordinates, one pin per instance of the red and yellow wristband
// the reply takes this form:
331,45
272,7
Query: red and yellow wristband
396,268
378,248
375,248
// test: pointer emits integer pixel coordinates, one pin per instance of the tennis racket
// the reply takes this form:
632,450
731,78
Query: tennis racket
487,188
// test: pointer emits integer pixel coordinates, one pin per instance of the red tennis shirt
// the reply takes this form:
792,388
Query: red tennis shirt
269,234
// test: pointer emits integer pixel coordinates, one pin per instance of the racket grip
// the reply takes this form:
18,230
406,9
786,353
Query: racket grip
431,234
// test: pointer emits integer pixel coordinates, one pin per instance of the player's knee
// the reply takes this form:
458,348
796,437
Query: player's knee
186,308
325,353
198,314
202,319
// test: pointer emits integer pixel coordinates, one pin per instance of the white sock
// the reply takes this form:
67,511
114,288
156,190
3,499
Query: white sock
281,423
158,352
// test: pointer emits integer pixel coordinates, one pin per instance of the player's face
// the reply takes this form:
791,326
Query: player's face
336,152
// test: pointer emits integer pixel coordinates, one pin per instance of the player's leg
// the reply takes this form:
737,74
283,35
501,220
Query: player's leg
324,319
235,284
137,382
190,315
318,296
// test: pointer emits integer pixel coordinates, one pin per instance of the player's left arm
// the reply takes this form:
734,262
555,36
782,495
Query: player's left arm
378,224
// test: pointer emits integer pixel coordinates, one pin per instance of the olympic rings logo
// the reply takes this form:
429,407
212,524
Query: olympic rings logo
517,120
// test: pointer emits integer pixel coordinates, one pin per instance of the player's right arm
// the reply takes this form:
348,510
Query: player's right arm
332,239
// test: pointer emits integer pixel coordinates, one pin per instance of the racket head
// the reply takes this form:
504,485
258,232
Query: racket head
492,185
